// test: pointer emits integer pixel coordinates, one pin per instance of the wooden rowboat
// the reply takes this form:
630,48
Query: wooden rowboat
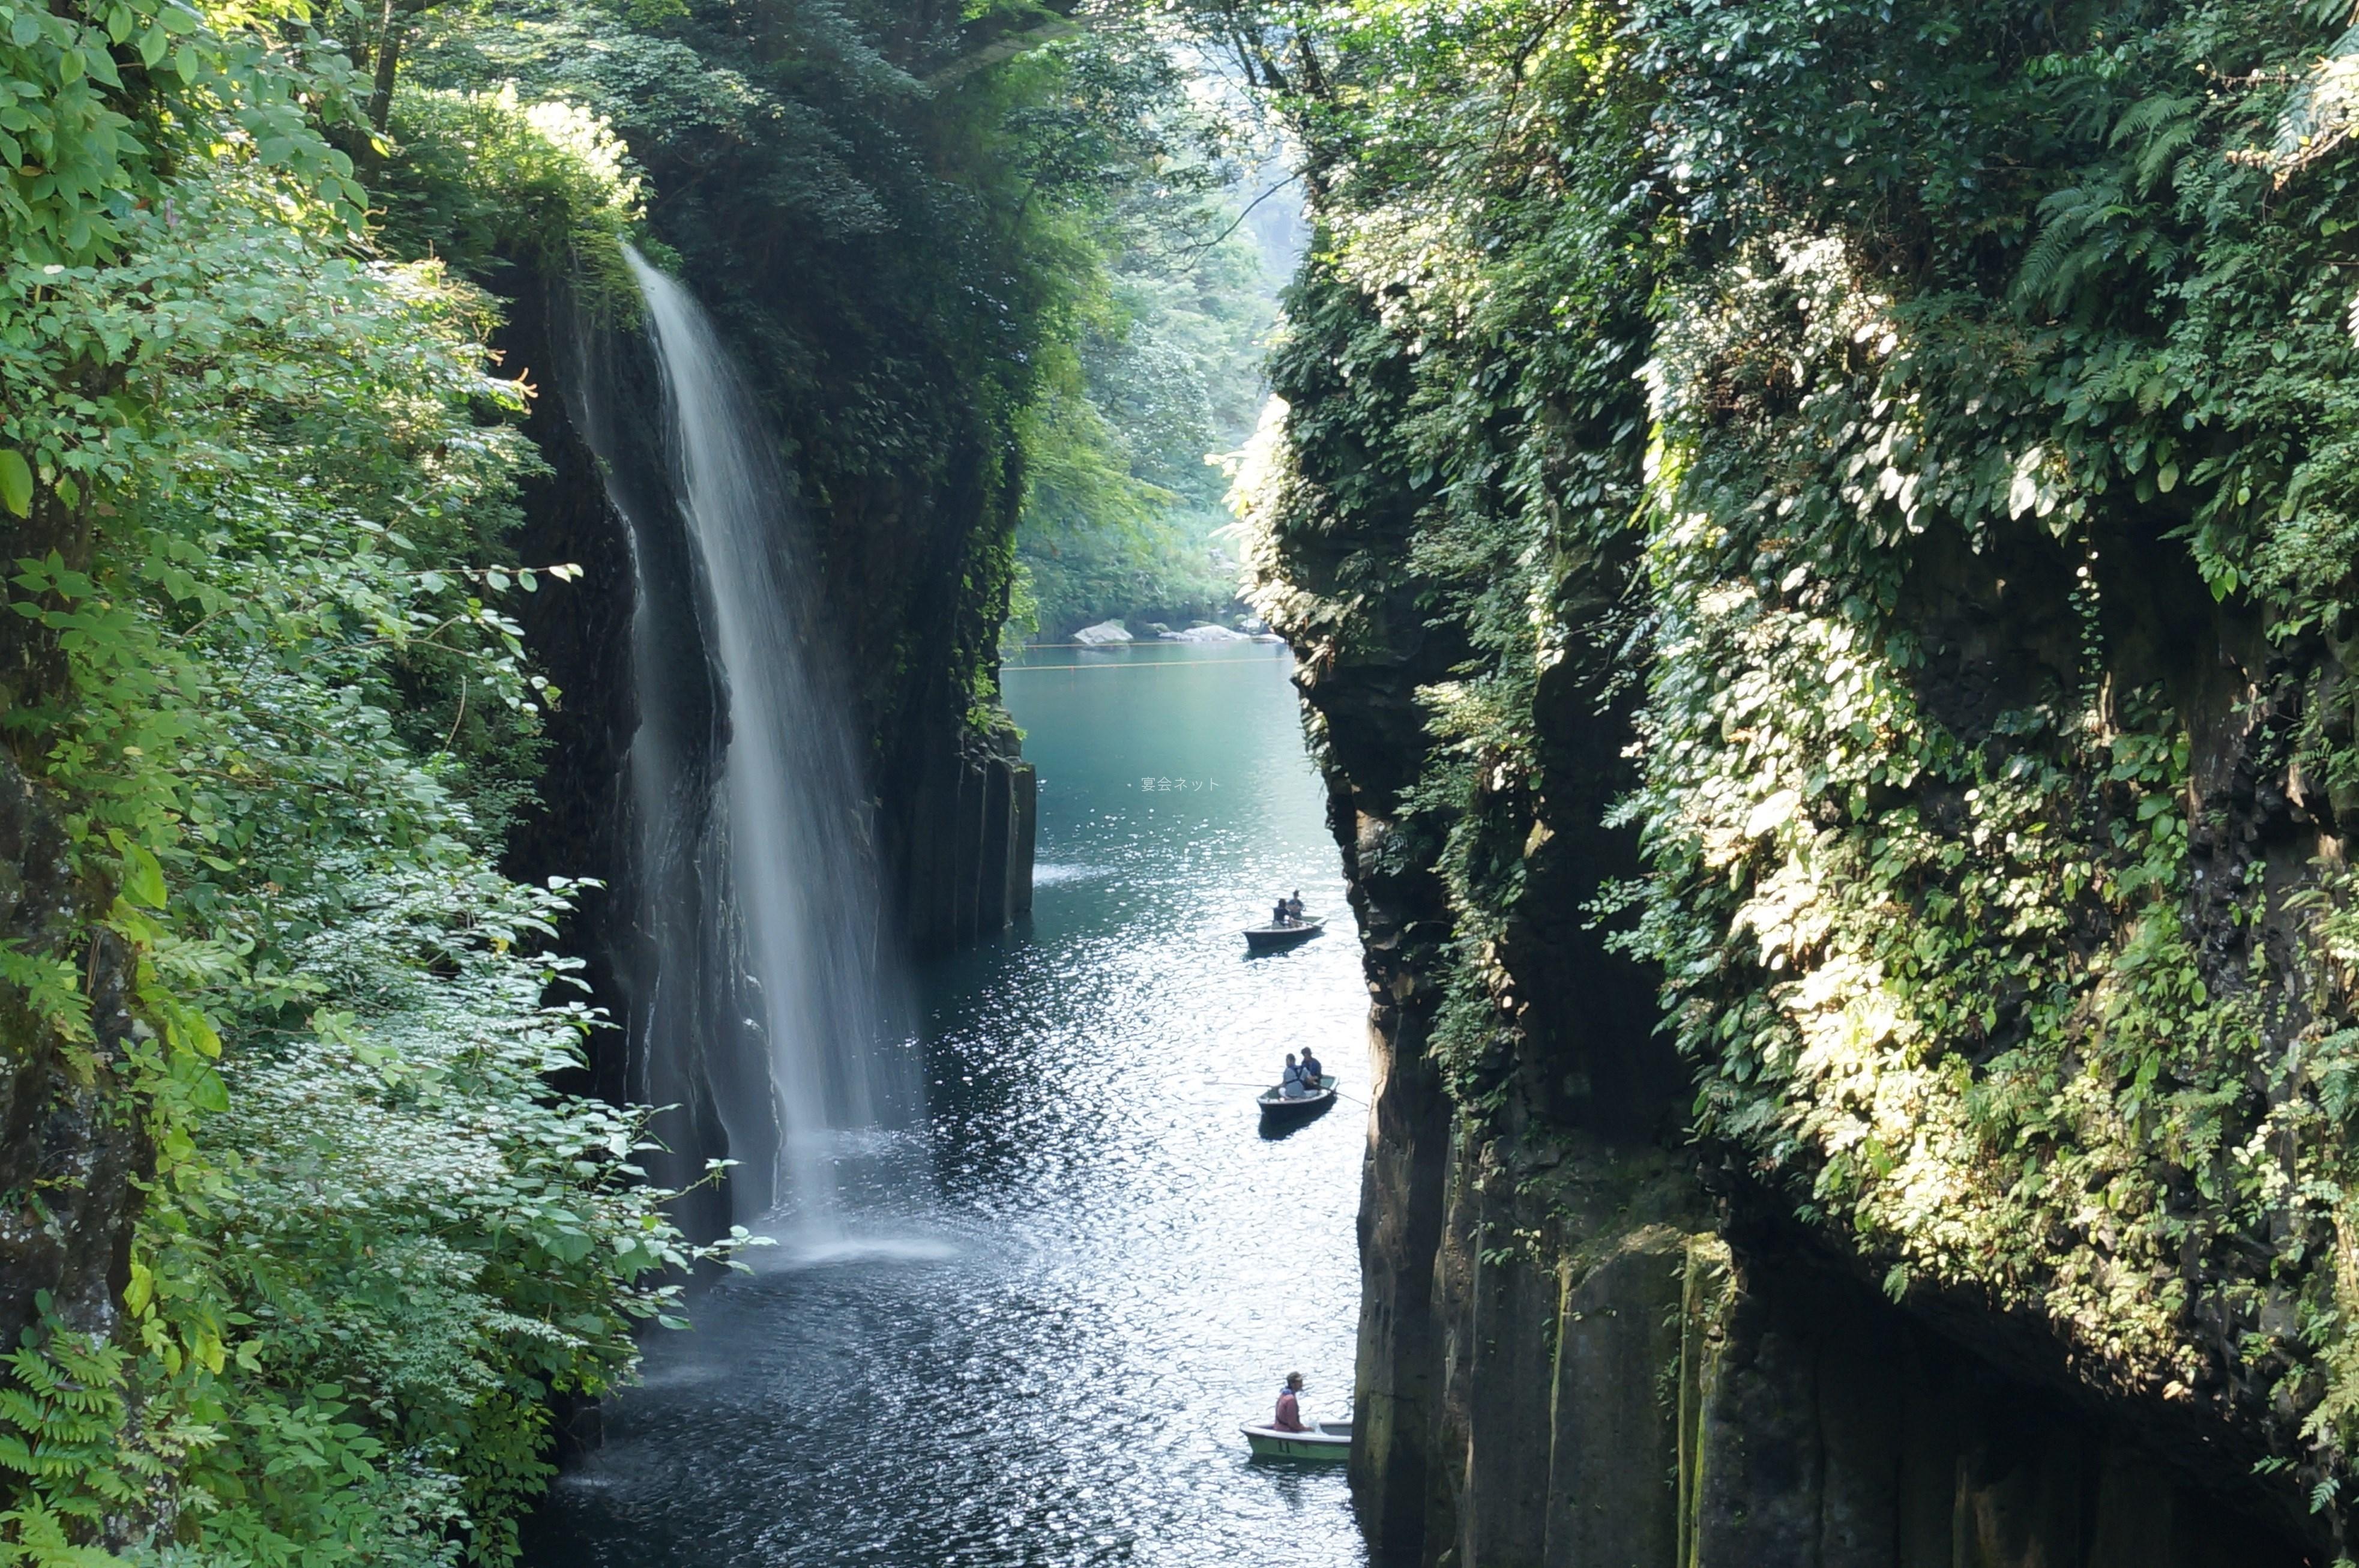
1275,939
1275,1107
1326,1442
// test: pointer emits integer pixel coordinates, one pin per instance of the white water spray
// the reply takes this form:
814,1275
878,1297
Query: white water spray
775,850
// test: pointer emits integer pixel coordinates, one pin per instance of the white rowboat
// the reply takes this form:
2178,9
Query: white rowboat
1326,1441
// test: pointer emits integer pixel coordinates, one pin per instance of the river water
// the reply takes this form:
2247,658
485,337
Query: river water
1055,1300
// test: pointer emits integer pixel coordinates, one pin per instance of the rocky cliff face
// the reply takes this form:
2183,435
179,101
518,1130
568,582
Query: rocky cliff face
1569,1355
1588,1337
1582,1344
954,808
1830,634
73,1143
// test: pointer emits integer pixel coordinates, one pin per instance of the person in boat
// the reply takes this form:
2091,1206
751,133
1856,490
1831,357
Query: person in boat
1293,907
1312,1073
1278,915
1289,1405
1290,1087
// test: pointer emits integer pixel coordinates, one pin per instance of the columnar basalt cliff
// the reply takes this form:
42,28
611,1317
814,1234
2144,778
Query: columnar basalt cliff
1828,641
845,192
953,809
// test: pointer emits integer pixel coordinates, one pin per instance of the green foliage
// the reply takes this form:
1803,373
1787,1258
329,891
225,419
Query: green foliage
1770,355
264,668
62,1419
1123,513
487,182
933,231
261,656
82,150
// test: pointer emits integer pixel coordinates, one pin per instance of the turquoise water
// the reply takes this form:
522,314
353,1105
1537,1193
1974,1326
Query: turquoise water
1060,1297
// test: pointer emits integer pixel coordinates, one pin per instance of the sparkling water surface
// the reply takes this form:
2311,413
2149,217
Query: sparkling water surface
1048,1310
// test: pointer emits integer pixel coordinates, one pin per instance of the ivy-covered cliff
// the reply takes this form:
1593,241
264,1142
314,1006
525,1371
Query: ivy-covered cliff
1820,536
300,1245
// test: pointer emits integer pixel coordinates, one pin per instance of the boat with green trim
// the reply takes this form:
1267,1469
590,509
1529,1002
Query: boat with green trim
1327,1442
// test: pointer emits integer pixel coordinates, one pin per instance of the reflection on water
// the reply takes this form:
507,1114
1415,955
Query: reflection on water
1046,1361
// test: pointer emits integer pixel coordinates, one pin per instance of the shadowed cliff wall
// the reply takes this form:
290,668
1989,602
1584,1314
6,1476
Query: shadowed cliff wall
955,856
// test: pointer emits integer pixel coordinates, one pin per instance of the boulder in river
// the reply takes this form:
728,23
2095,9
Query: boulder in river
1206,634
1104,632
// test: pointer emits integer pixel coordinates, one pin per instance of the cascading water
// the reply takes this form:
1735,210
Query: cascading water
756,998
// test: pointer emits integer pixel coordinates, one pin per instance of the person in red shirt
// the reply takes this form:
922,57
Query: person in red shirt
1289,1406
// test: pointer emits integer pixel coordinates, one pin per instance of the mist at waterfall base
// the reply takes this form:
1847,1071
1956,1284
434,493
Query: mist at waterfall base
757,1000
1112,1267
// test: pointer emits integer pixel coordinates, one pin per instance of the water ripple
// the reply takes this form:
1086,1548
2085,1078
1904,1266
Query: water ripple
1043,1359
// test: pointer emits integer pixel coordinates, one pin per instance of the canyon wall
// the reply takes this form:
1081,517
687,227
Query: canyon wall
1587,1339
953,797
1829,654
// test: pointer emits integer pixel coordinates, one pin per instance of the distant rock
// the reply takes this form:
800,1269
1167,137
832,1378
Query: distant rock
1159,628
1207,633
1104,632
1253,623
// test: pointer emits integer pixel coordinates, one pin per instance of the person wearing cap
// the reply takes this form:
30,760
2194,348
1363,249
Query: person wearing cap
1289,1405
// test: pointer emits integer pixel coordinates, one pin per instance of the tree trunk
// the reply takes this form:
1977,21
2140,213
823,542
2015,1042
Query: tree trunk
388,56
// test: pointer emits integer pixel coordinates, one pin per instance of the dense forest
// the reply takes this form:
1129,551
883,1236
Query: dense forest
1132,522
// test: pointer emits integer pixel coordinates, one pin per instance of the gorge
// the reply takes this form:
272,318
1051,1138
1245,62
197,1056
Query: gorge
1815,540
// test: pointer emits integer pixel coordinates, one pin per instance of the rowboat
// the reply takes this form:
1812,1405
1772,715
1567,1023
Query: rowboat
1326,1441
1275,1107
1275,938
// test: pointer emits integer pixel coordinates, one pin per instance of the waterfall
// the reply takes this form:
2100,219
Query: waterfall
757,996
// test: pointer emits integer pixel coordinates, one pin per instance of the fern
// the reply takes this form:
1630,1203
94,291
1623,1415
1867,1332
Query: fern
33,1535
66,1445
2162,129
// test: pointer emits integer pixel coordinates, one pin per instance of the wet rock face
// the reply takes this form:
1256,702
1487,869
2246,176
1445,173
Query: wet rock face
955,811
578,632
1597,1376
1396,1463
1816,1425
70,1144
965,844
